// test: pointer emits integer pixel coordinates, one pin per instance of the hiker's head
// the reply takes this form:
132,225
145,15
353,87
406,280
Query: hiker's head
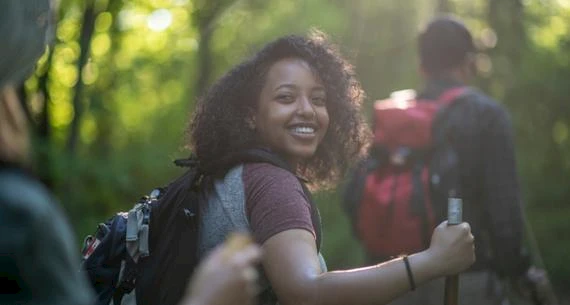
446,49
23,29
292,116
297,96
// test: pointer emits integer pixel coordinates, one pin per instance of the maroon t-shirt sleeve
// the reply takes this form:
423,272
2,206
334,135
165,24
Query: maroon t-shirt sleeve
275,201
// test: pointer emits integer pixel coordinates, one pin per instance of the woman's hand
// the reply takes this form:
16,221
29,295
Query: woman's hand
226,277
452,247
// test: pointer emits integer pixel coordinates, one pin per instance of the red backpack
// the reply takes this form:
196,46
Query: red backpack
391,194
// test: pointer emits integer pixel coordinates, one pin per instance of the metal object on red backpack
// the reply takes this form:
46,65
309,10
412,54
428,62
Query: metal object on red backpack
402,120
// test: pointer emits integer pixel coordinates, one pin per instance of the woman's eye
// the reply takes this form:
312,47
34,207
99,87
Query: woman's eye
319,101
285,98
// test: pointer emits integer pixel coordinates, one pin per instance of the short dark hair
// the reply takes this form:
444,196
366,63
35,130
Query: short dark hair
219,126
444,44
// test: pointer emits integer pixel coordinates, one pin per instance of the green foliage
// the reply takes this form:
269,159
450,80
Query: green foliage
147,57
340,249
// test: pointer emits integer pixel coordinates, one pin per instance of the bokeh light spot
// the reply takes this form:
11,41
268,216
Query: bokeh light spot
159,20
560,132
488,38
100,44
90,73
103,22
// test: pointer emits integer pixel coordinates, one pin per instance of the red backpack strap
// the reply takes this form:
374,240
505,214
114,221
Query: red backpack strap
450,95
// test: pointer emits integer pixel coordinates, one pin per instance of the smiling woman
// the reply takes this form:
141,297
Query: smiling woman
298,100
296,94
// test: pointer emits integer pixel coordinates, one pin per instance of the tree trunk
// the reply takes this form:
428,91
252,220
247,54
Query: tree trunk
205,18
204,60
443,6
506,17
85,41
104,115
44,124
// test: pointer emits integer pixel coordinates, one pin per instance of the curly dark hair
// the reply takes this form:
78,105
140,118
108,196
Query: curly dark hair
219,128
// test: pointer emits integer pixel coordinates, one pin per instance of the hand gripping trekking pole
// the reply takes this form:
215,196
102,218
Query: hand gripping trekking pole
454,217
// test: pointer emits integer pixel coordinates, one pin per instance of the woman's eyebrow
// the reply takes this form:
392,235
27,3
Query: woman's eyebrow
317,88
286,86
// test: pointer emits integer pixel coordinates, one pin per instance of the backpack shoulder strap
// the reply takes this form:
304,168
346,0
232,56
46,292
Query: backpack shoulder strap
263,155
445,101
451,95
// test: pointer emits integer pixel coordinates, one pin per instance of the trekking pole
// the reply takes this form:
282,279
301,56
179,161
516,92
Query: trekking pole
454,217
541,280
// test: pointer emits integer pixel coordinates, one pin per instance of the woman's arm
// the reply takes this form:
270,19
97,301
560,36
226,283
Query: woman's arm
292,266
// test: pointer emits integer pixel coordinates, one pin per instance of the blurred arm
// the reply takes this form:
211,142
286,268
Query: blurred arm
501,195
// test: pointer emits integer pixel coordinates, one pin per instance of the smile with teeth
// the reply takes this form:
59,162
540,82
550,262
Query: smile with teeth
303,130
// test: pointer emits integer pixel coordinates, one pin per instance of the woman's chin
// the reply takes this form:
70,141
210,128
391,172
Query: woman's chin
304,154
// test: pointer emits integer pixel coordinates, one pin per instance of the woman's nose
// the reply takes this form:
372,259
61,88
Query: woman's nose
305,107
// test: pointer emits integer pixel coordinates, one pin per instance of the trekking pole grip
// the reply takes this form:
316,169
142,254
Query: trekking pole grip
454,217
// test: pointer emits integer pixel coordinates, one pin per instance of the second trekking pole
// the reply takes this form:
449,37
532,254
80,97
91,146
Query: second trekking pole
454,217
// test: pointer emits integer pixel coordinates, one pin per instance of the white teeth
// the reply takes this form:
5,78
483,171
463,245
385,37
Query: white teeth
306,130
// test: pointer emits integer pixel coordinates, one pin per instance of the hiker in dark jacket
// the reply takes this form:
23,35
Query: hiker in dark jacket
38,257
39,261
481,134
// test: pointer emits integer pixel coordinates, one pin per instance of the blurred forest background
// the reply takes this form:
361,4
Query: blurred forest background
109,101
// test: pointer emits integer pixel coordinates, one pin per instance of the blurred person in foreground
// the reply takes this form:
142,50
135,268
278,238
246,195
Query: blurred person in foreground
479,130
39,261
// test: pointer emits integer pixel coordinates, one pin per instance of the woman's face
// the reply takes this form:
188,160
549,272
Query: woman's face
292,117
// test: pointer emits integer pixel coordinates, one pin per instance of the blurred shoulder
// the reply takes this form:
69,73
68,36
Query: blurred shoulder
23,195
485,102
477,105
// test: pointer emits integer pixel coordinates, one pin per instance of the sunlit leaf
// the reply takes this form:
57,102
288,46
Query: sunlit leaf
180,18
89,129
100,44
132,18
67,74
560,132
123,60
103,22
156,42
62,113
90,73
68,30
550,35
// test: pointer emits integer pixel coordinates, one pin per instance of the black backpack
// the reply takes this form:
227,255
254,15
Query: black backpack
141,251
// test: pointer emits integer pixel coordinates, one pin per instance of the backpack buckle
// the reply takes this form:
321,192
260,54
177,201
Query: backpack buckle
400,156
